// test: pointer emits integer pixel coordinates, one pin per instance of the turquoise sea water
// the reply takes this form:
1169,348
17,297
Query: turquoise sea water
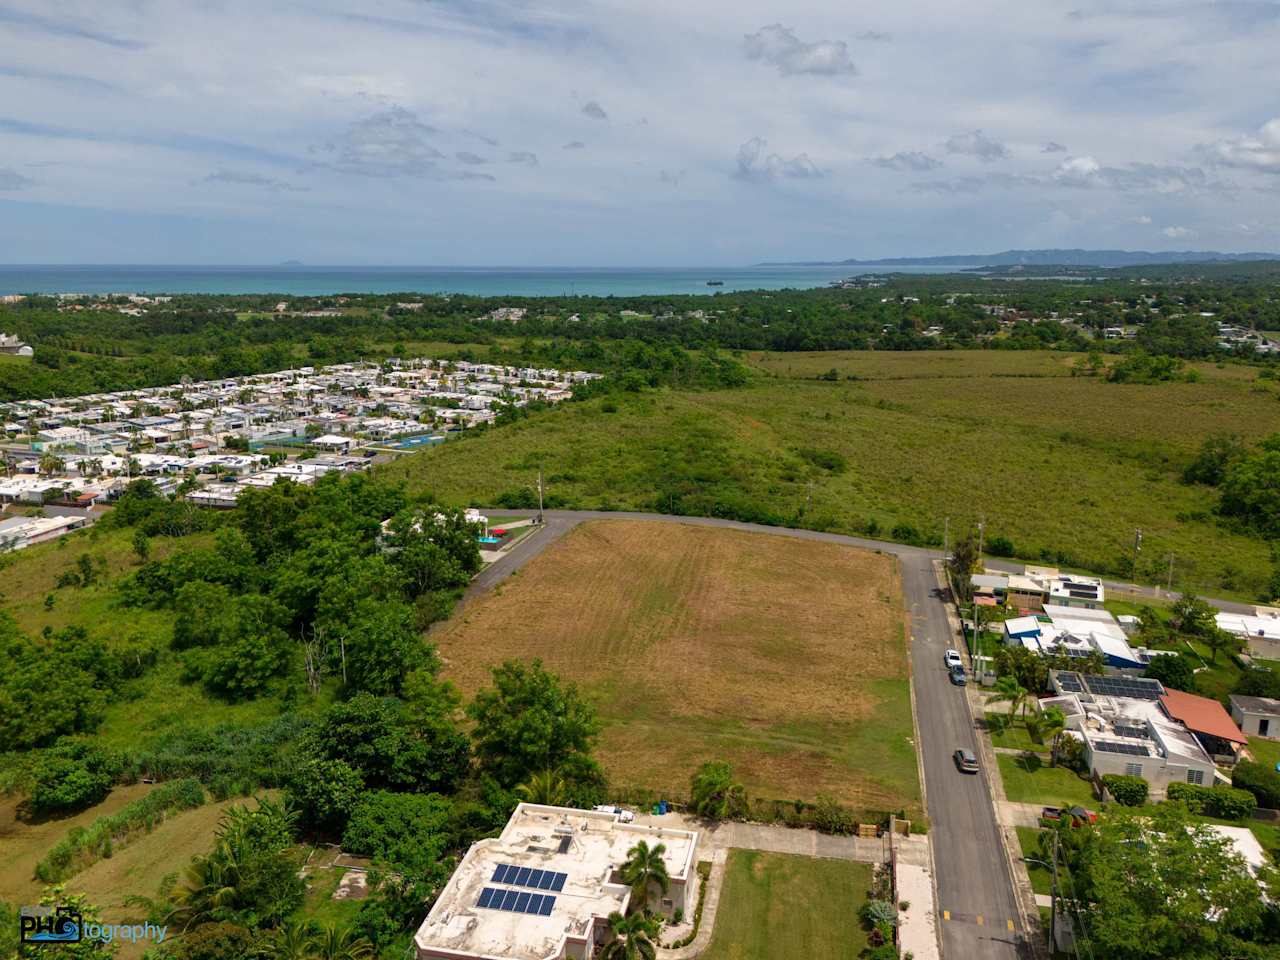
481,281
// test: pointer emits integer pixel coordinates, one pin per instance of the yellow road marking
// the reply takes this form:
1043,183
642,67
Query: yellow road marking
1010,923
946,914
979,919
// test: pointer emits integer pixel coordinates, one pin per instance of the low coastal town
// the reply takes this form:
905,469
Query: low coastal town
211,440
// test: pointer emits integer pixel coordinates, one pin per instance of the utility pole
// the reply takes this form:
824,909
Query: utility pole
1169,587
982,531
1053,902
1137,546
946,538
540,519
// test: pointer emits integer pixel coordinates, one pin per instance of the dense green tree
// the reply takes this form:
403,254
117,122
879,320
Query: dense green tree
1217,453
716,794
406,830
380,739
324,792
1159,885
1175,672
380,642
530,721
1251,488
72,775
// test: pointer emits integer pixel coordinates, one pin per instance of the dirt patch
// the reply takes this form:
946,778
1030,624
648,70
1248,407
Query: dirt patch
700,644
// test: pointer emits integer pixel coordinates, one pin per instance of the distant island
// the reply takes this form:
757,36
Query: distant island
291,263
1044,258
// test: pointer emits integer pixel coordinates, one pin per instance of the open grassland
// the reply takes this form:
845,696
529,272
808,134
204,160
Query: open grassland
784,657
1064,467
24,843
1029,779
778,907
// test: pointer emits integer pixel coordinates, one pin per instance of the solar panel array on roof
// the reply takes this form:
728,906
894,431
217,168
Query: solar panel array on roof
1070,682
514,876
1115,746
1139,733
1138,688
517,901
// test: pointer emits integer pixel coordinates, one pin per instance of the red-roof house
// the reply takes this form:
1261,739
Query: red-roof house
1207,720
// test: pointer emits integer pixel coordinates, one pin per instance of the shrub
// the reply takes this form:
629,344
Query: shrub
1000,547
1261,781
72,776
830,817
82,846
1128,791
875,912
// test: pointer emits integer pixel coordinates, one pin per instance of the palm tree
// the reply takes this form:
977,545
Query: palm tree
1050,724
294,941
209,884
547,788
716,794
644,870
634,937
1008,688
334,943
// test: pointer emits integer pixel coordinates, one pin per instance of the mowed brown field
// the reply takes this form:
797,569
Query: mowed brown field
784,657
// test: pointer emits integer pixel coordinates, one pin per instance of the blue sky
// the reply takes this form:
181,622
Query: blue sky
611,133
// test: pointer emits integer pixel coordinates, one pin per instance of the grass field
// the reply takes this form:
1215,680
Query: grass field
925,436
1041,875
1034,781
1265,752
22,844
784,657
1013,734
779,907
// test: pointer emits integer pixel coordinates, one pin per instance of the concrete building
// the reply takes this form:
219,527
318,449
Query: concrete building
13,346
1256,716
544,888
19,532
1078,632
1125,730
1260,631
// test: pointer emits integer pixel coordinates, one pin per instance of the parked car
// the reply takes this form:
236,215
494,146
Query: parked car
966,762
952,659
1079,815
958,676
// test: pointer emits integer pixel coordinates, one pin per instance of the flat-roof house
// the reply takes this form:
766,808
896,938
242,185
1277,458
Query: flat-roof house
1260,630
1076,632
1125,730
334,442
544,888
1256,716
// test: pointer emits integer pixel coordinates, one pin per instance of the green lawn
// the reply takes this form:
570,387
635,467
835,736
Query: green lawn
1034,781
1266,752
319,905
1014,735
1041,876
779,907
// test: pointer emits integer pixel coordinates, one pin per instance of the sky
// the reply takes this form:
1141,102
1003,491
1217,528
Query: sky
522,132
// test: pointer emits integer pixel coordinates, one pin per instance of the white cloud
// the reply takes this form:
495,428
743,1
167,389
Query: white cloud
779,46
975,143
1143,220
755,164
251,180
1260,151
1177,233
917,162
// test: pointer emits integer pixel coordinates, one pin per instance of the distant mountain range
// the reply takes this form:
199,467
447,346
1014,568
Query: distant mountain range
1046,258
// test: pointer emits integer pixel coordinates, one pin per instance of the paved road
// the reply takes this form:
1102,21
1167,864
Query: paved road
974,885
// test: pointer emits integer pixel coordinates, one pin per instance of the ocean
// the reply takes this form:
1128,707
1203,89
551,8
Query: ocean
480,281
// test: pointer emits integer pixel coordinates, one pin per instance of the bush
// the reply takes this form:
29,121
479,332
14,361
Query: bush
1128,791
72,776
82,846
1223,802
1261,781
324,793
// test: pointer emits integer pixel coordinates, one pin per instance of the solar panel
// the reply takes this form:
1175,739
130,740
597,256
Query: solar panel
1070,682
535,903
508,899
534,878
522,902
514,901
1136,688
547,904
486,896
548,878
500,873
558,883
522,877
1114,746
1124,730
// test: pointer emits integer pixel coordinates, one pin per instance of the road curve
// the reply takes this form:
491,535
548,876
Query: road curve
971,869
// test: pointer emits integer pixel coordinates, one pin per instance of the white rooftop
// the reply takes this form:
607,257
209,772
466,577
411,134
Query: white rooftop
586,846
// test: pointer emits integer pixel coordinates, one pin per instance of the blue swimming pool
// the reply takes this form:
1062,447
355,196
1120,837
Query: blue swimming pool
412,442
489,539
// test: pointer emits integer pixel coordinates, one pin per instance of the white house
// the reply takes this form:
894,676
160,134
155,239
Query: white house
544,888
